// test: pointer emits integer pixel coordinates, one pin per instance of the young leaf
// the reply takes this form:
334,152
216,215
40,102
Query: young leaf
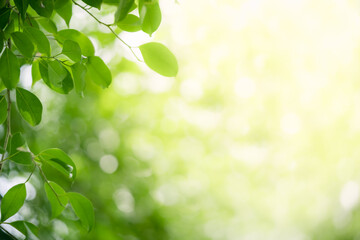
56,207
47,24
72,50
3,109
159,58
35,72
39,38
43,7
23,43
93,3
22,6
29,106
79,71
26,228
58,167
64,10
123,9
83,208
9,69
13,201
150,17
98,72
87,48
130,24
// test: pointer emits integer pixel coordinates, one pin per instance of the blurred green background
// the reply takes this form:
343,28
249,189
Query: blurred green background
257,137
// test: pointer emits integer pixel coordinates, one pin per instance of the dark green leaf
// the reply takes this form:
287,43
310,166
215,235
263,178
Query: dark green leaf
23,43
9,69
43,7
79,71
2,3
25,228
2,40
47,24
3,109
29,106
22,6
150,17
58,167
56,207
87,48
72,50
13,201
130,24
123,9
98,72
39,38
65,11
83,208
4,17
93,3
159,58
35,72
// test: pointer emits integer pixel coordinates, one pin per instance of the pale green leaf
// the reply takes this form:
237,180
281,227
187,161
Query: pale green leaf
79,71
123,9
150,17
87,48
130,24
98,72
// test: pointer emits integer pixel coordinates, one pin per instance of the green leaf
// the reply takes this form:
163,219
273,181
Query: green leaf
83,208
2,40
79,71
87,48
9,69
150,17
130,24
26,228
3,109
4,17
56,207
159,58
56,76
64,11
16,141
72,50
23,43
13,201
123,9
93,3
29,106
35,72
58,167
2,3
43,7
98,72
40,40
47,24
21,157
22,6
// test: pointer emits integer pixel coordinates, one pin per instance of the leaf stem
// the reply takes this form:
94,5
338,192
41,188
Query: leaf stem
109,27
8,128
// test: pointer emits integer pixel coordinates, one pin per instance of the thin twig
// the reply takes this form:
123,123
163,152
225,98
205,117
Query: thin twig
8,128
30,174
109,27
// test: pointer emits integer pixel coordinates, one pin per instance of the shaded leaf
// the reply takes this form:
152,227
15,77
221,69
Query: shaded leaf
22,6
83,208
159,58
26,228
29,106
93,3
9,69
13,201
43,7
4,17
23,43
64,10
3,109
39,38
72,50
56,207
47,24
98,72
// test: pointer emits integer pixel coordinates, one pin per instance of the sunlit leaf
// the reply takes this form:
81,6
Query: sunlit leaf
159,58
13,201
64,10
150,17
47,24
83,208
29,106
35,72
39,38
98,72
72,50
79,71
56,199
87,48
123,9
23,43
9,69
130,24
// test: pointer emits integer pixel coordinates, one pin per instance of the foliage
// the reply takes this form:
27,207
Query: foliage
65,60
